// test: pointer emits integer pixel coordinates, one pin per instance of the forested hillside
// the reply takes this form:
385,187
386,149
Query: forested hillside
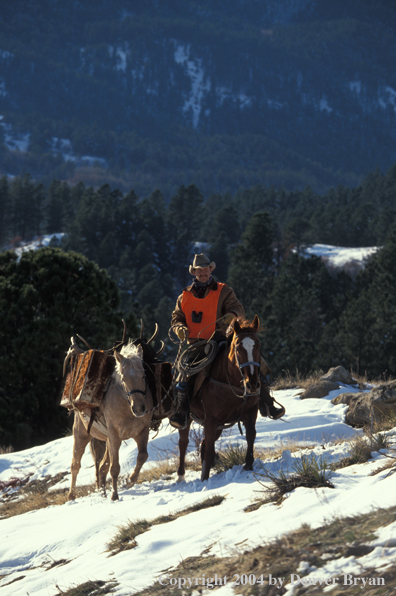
123,257
146,131
220,94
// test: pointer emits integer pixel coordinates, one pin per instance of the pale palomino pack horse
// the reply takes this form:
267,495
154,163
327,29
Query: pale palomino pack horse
127,410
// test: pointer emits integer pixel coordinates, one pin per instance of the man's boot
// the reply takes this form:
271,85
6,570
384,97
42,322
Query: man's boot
180,416
266,403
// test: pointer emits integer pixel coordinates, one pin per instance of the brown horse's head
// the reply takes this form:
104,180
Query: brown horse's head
131,377
244,355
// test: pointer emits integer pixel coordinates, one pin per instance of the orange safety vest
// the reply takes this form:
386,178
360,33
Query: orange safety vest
201,313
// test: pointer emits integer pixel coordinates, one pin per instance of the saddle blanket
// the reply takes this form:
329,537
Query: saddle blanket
87,380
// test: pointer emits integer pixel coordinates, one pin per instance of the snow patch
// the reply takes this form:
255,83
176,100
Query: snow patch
199,85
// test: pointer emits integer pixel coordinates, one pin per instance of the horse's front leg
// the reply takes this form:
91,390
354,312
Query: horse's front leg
114,444
81,440
249,421
211,434
141,441
183,444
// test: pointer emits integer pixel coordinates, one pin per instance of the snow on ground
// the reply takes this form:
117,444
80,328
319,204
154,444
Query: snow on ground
339,256
40,242
79,531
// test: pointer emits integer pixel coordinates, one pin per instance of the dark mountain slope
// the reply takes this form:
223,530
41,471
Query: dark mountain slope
222,94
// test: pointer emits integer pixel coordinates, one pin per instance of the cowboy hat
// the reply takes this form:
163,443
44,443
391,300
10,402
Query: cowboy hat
200,261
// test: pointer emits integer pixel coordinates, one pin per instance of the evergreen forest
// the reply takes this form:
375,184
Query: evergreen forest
126,257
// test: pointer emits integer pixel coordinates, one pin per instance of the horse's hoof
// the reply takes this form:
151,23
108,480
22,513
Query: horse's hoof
247,468
71,497
114,497
180,478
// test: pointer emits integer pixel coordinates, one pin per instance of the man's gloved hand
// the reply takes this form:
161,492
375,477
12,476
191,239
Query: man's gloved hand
228,318
181,333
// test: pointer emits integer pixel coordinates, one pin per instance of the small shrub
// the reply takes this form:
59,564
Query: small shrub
308,472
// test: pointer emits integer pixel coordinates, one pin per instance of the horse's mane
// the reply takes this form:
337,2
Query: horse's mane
131,352
245,324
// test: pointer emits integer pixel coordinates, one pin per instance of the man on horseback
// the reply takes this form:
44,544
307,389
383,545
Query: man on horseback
203,308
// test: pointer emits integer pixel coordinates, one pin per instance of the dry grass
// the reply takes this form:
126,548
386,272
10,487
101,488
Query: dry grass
90,588
289,381
125,538
306,471
3,449
339,538
35,495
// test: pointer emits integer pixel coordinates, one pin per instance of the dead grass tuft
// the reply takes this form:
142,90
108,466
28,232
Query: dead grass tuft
289,381
3,449
125,538
308,472
90,588
36,495
230,456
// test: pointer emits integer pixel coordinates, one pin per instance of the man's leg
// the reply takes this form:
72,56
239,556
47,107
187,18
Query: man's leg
266,403
184,393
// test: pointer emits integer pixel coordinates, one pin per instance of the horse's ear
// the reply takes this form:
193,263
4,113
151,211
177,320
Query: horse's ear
120,359
256,323
237,327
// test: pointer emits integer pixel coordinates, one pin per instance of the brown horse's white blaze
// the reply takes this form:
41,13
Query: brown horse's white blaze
245,351
251,368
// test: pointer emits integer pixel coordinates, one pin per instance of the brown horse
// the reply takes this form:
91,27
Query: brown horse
127,410
231,395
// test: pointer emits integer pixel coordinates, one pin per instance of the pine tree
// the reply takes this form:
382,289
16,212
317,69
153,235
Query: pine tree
4,209
184,219
46,297
252,263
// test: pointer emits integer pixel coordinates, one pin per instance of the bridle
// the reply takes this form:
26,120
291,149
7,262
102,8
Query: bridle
240,367
130,393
